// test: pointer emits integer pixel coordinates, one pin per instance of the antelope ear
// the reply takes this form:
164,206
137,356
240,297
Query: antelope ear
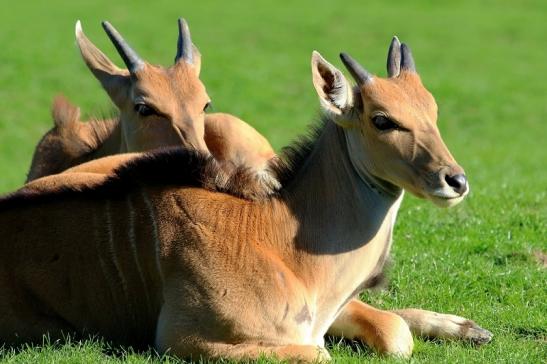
115,81
335,93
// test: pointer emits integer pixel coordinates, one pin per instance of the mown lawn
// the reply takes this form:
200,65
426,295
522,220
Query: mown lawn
484,62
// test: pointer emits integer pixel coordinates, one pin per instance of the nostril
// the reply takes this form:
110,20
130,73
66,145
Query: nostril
458,182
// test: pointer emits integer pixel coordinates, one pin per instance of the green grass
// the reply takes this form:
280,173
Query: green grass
484,62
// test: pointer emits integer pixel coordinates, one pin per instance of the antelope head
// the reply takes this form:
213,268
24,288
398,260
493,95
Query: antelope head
390,126
158,106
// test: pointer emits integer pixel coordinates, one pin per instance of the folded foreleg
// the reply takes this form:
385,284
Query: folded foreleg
439,325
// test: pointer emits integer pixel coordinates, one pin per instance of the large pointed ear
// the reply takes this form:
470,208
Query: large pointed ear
115,81
335,93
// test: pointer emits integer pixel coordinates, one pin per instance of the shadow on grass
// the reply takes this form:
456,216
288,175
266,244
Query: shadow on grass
347,347
95,349
99,350
90,348
530,333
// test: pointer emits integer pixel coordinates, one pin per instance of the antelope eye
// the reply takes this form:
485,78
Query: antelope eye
207,106
145,110
382,122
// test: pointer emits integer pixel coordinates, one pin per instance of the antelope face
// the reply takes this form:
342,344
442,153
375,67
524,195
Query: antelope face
166,107
391,126
159,106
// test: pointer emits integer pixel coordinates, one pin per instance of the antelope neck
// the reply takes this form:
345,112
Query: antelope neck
339,206
357,155
345,222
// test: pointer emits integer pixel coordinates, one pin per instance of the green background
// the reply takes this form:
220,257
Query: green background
485,62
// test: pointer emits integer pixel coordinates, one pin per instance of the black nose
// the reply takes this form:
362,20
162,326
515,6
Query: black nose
458,182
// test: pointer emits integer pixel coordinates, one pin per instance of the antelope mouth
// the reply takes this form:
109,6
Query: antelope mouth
445,197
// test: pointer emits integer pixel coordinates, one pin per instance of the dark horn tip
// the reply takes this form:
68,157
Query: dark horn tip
129,56
346,58
108,28
184,42
183,25
407,60
405,49
357,71
394,58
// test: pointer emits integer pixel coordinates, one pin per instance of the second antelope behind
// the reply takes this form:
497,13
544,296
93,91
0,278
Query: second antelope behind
159,107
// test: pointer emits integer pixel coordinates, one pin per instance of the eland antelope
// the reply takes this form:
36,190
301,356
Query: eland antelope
163,252
158,108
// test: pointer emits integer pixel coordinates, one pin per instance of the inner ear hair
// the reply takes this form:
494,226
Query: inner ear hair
331,85
334,87
335,93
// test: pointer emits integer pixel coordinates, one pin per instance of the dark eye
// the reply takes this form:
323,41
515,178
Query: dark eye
208,106
145,110
382,122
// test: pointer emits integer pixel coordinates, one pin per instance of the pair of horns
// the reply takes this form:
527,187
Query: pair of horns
399,58
132,59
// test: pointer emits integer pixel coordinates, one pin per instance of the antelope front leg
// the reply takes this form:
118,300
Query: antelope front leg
438,325
201,349
383,331
179,335
253,352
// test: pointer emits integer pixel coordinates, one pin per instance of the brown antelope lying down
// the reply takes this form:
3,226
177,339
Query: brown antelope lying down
162,252
158,108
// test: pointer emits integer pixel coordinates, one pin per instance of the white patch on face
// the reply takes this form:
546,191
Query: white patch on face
447,197
446,202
